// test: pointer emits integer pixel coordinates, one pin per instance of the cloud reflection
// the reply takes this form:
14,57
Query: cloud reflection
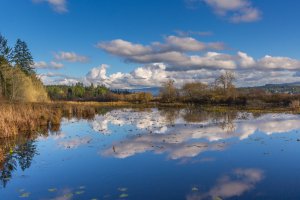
74,142
187,133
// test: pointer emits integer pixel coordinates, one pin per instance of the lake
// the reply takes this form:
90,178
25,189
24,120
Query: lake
156,154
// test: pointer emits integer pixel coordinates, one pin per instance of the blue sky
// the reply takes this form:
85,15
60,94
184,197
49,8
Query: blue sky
139,43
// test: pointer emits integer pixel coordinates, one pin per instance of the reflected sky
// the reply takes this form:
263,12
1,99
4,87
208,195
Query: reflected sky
157,154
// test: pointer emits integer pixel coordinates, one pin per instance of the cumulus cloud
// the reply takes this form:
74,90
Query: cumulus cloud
147,76
51,78
236,11
45,65
182,59
175,53
59,6
153,75
70,57
171,44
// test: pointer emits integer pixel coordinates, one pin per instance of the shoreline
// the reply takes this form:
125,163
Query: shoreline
21,118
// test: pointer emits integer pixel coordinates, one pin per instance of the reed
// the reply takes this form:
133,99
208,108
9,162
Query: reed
16,118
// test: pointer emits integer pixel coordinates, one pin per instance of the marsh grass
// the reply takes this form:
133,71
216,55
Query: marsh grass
20,118
16,118
1,156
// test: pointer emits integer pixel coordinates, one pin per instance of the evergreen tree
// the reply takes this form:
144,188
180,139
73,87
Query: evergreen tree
23,58
5,50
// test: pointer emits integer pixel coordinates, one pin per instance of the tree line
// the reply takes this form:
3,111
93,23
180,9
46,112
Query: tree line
223,91
101,93
18,79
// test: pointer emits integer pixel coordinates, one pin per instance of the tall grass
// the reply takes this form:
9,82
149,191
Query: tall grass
17,118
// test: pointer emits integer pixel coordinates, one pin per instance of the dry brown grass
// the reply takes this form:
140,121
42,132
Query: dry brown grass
1,156
16,118
93,103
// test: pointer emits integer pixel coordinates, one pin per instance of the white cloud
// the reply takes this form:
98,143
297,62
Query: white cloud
124,48
45,65
270,62
175,52
153,75
70,57
56,65
40,64
180,59
186,44
171,44
236,11
51,78
146,76
59,6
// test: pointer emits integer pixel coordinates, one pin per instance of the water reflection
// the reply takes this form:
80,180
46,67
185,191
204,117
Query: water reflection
188,132
21,156
95,149
230,185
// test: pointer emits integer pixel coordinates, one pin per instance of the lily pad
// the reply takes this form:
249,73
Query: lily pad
52,189
122,189
25,195
217,198
79,192
69,195
21,190
123,195
195,189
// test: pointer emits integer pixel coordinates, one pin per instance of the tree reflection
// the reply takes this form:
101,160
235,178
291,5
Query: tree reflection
225,120
21,156
19,150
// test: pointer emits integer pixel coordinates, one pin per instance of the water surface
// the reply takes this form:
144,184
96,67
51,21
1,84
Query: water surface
156,154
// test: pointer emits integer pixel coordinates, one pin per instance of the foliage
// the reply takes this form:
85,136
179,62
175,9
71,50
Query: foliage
23,58
18,81
80,92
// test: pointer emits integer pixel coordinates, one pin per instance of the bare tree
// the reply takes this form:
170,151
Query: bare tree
225,81
169,92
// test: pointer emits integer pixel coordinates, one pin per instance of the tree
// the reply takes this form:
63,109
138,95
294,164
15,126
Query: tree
23,58
169,92
5,50
5,57
196,91
225,81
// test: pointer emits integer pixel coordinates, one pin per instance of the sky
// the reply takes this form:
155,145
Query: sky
140,43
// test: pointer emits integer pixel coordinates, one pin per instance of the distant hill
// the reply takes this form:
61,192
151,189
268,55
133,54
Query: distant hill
283,84
288,88
153,90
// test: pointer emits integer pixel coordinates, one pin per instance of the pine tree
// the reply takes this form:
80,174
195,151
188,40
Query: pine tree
23,58
5,50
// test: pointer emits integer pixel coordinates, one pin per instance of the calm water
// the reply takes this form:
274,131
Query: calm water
157,154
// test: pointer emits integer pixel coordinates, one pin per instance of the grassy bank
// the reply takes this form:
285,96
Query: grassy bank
27,117
251,109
